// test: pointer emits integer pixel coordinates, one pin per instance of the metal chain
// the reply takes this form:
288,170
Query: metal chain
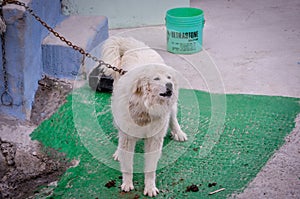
6,98
63,39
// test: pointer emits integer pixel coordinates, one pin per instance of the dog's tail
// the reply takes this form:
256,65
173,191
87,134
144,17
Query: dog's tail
113,50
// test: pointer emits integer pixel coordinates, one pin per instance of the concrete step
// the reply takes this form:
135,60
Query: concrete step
62,61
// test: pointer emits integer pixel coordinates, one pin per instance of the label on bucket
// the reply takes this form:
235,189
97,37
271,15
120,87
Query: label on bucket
183,42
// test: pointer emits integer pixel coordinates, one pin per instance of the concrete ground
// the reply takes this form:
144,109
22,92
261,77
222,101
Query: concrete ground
253,47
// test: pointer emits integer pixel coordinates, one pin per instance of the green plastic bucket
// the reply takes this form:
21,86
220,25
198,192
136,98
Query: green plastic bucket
184,30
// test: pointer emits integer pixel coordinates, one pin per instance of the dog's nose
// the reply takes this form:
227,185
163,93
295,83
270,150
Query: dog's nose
169,86
169,90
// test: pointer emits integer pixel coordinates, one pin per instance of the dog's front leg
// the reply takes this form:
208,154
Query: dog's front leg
125,156
176,131
153,147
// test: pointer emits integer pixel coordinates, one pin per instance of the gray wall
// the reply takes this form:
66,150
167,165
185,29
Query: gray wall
124,13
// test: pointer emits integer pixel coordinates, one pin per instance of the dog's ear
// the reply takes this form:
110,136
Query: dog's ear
137,109
137,87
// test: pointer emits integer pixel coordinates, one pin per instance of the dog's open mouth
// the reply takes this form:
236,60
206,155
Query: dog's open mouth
168,93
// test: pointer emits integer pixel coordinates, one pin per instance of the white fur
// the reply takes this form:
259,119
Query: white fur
139,109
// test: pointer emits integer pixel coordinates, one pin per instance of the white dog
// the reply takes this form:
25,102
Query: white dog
144,105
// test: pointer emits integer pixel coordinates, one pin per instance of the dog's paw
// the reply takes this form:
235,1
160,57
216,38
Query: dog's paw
127,187
151,191
179,136
116,156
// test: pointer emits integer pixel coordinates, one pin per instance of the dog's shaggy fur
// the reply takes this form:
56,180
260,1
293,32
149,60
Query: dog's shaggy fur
144,105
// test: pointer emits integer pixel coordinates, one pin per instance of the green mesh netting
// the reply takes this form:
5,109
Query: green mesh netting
254,128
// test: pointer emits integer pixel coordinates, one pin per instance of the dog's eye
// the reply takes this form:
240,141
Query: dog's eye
156,78
169,77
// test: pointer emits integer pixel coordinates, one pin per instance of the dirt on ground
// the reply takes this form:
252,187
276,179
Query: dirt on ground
25,165
49,96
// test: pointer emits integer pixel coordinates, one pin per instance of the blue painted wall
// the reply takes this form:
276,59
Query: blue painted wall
24,54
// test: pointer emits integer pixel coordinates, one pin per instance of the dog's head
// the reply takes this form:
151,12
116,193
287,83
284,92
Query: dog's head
154,93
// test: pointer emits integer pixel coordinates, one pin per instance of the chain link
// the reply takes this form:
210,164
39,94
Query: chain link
63,39
6,98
